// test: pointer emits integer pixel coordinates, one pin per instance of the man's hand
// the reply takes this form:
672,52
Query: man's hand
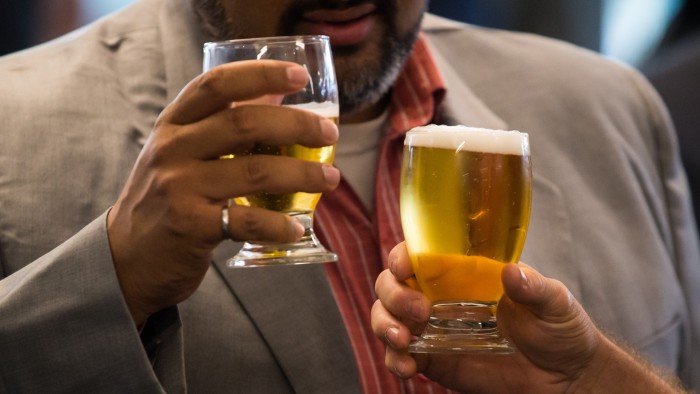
167,221
559,348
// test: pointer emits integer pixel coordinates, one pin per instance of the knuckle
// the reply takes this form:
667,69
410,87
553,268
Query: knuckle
394,297
305,120
313,173
164,183
210,82
379,284
377,321
161,122
179,220
244,120
252,224
375,311
257,170
162,149
163,144
388,361
179,215
309,129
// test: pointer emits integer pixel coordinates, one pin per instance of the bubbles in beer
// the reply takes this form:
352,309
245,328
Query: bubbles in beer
465,207
299,202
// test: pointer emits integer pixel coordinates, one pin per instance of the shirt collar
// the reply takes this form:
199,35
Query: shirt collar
418,91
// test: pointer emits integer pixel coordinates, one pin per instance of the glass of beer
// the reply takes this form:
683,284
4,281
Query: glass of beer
465,208
319,96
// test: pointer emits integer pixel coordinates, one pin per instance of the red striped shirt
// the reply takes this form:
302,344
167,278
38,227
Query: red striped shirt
363,241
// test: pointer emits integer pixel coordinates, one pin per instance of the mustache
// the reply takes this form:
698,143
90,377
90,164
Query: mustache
215,24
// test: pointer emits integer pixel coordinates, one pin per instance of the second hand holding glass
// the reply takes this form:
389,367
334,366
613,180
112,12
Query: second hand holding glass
319,96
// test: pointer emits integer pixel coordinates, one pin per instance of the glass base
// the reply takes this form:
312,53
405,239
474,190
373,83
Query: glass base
308,250
462,327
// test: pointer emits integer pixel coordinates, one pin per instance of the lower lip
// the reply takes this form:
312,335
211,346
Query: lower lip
341,34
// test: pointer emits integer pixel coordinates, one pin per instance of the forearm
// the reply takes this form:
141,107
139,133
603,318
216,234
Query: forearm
67,326
614,369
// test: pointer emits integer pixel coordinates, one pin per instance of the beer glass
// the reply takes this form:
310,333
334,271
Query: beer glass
319,96
465,208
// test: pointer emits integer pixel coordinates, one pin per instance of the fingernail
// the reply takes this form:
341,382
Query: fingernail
396,371
297,228
331,174
392,264
523,278
297,75
391,335
329,131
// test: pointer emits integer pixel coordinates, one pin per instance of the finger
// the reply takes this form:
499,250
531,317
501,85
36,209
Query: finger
215,89
408,305
256,224
399,263
547,298
268,99
389,329
246,175
400,363
237,130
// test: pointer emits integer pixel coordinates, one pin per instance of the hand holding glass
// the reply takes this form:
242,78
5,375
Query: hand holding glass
465,208
321,97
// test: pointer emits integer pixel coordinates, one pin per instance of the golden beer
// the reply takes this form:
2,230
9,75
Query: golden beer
465,208
320,95
299,202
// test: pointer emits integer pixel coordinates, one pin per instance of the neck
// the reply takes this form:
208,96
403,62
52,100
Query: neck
368,113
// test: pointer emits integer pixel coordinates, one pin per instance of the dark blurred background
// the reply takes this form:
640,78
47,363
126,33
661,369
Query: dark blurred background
628,30
576,21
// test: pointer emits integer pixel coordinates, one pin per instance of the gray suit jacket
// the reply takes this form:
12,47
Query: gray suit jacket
610,214
675,73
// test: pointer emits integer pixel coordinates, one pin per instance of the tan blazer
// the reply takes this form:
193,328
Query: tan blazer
610,217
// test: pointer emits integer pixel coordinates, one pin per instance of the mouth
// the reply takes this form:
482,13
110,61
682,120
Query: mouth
345,27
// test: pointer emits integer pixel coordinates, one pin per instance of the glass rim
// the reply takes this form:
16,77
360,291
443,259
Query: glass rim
475,139
435,129
306,38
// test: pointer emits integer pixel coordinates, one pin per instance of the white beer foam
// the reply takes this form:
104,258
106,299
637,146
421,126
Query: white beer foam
472,139
326,109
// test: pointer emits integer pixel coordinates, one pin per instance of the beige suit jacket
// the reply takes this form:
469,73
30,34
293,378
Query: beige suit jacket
610,218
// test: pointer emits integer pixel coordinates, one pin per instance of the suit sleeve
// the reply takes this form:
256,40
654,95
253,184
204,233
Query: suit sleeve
682,236
65,326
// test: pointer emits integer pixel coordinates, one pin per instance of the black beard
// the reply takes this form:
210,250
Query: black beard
357,91
213,22
366,86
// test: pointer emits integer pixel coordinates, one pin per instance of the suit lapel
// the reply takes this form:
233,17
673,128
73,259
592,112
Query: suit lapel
461,105
296,314
549,219
182,46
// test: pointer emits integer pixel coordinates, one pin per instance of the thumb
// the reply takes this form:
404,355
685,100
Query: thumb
546,298
545,321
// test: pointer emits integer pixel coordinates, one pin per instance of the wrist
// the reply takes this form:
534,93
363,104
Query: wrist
613,368
125,276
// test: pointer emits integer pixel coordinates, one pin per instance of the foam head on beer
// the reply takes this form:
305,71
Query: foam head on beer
477,140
